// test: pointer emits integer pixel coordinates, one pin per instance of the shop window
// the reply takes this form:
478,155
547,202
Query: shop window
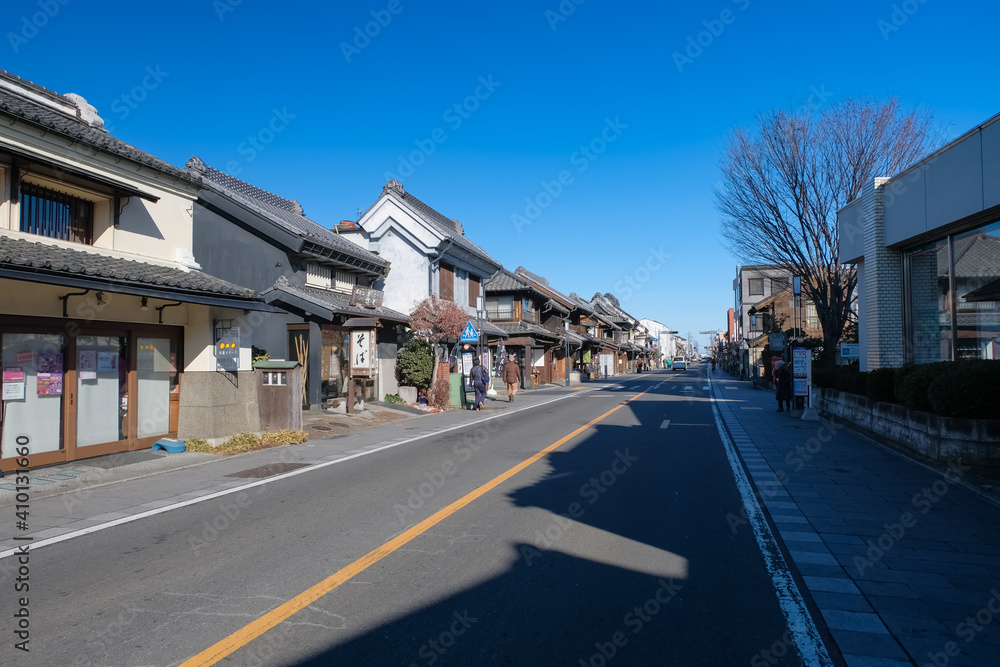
102,389
56,215
929,303
156,363
977,292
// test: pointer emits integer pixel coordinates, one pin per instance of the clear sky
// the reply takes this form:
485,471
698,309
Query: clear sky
629,103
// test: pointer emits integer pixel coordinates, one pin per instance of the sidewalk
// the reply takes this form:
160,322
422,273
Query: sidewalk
902,560
90,494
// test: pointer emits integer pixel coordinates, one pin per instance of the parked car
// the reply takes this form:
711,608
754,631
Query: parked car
680,364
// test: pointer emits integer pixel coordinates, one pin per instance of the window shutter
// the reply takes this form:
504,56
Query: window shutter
446,282
473,290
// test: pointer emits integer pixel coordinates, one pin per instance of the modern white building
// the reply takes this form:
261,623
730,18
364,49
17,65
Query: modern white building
927,246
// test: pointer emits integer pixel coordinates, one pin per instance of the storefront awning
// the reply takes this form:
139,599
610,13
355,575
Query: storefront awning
38,262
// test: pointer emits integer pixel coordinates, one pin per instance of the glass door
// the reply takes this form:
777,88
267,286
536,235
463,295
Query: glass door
156,370
102,389
33,370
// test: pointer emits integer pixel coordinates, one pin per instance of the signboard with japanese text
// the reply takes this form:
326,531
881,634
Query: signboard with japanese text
801,367
361,352
850,351
366,297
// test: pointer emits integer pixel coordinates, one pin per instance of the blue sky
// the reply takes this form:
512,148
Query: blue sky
332,122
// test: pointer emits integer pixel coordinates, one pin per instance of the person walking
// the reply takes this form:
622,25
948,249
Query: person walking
480,378
783,382
713,364
512,376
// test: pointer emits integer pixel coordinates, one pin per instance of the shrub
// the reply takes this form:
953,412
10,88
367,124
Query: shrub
969,389
415,363
881,385
911,391
393,398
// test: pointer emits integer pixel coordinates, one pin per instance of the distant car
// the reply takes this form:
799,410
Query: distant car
680,364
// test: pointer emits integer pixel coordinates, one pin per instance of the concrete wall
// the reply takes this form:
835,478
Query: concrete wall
215,406
926,435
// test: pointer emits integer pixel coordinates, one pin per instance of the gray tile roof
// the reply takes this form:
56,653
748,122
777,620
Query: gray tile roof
516,328
21,108
285,213
337,301
38,257
505,281
451,229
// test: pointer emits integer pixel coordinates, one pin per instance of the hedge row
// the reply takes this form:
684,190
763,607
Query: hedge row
969,389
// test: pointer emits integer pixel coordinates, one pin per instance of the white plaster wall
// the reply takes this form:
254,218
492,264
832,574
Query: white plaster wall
155,230
40,300
407,282
199,337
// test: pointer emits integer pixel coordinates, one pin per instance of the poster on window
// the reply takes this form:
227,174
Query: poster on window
107,360
13,383
49,373
88,364
361,353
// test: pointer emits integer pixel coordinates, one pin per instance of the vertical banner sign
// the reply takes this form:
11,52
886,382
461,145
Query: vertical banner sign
227,348
361,352
801,361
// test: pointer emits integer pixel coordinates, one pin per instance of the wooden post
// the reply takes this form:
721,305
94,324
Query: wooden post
350,395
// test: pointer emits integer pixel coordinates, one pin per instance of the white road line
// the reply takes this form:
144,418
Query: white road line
293,473
665,424
790,599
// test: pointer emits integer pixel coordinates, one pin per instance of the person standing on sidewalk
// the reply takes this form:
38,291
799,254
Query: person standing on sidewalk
512,376
783,384
480,377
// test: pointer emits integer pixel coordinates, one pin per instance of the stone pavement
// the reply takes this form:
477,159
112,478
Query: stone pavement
902,559
90,494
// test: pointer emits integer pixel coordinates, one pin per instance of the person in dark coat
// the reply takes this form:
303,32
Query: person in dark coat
512,376
783,382
480,379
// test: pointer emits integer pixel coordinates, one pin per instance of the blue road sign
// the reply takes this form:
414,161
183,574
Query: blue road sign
469,335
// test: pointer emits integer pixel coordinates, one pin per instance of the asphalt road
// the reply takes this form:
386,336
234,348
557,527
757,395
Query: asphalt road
612,549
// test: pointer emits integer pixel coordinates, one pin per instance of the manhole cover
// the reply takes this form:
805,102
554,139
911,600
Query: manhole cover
321,428
268,470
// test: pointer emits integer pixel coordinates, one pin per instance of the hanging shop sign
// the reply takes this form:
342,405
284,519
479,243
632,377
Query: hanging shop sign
362,361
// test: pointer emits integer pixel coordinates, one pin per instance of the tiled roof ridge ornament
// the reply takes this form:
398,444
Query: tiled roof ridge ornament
281,280
85,111
196,166
297,207
393,186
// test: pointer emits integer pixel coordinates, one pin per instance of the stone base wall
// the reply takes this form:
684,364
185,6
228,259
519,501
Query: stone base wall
216,406
923,434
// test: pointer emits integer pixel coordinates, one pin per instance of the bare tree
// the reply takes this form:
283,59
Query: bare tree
781,190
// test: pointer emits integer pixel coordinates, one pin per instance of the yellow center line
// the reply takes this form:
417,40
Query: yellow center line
249,632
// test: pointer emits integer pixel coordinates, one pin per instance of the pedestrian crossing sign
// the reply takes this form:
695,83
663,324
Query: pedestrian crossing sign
469,334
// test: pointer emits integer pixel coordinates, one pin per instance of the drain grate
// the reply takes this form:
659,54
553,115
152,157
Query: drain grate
268,470
321,428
